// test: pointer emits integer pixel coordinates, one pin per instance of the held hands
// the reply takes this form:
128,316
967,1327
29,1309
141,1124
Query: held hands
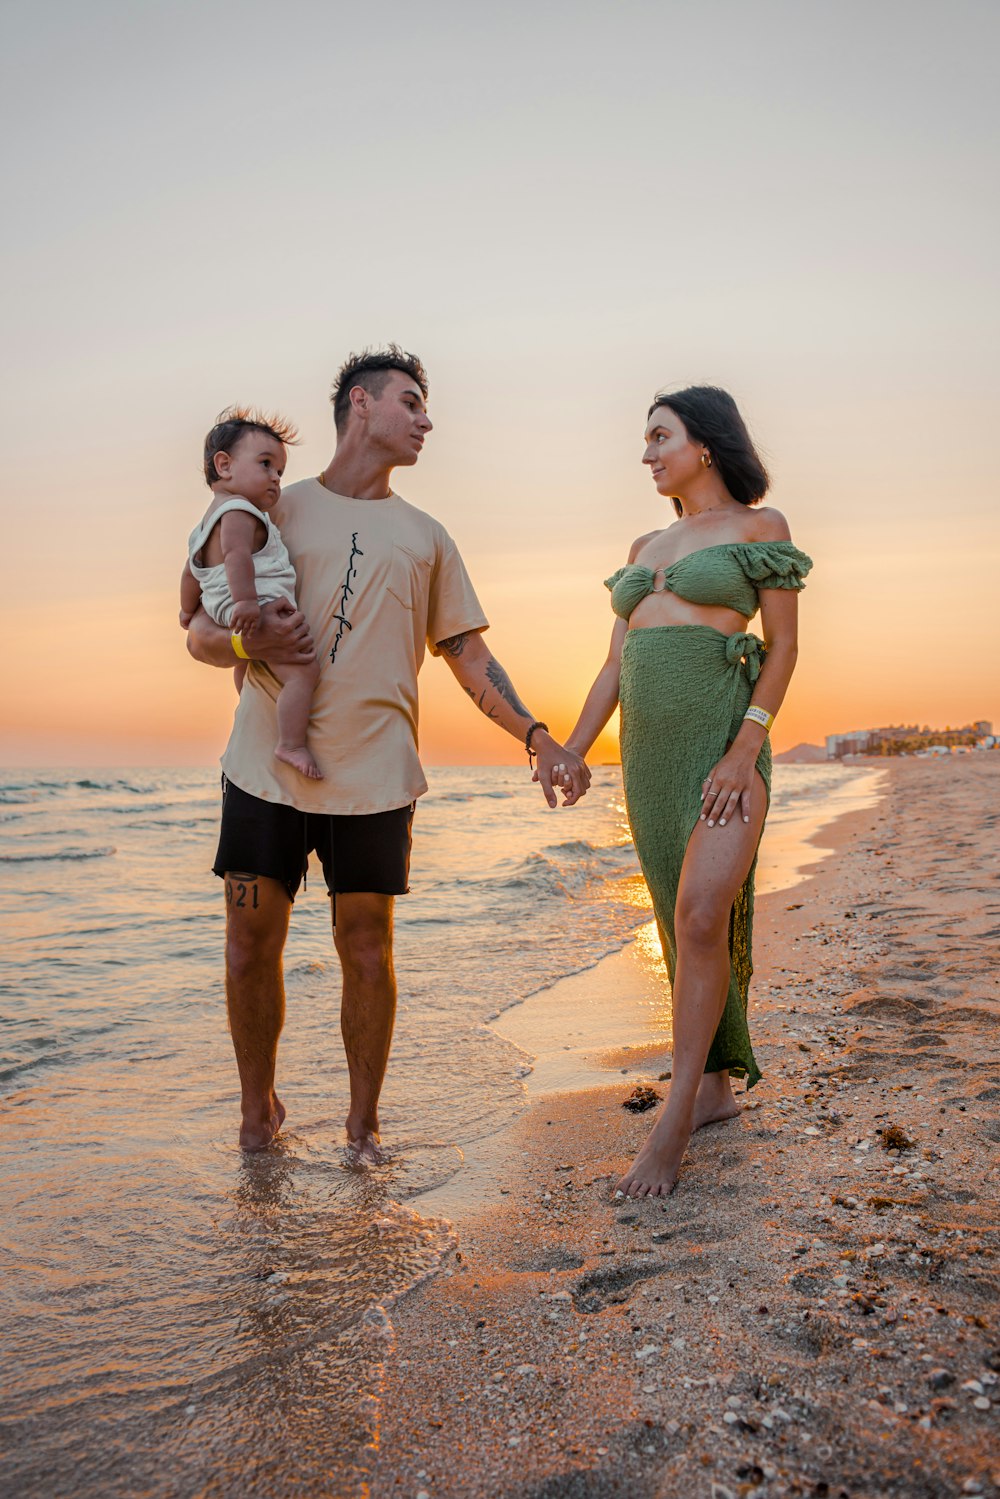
726,789
245,617
559,769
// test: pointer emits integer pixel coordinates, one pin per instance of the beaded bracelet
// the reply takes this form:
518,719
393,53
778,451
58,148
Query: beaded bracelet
761,716
527,738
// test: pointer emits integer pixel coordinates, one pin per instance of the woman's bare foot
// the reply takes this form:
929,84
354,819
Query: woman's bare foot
260,1126
299,759
654,1171
715,1101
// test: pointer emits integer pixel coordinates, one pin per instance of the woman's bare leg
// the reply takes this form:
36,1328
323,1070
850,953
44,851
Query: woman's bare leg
716,863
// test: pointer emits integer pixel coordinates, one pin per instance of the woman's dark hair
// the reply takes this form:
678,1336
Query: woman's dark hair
712,418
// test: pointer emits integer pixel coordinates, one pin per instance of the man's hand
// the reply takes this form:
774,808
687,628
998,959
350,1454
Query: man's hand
245,617
491,689
281,638
558,769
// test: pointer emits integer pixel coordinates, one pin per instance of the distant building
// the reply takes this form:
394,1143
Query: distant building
909,739
860,742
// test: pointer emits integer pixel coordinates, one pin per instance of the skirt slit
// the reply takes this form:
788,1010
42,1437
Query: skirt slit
684,690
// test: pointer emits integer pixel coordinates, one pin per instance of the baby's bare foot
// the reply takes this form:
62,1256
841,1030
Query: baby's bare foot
301,760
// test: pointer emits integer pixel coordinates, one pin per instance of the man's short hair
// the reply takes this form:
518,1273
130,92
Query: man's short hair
235,422
370,369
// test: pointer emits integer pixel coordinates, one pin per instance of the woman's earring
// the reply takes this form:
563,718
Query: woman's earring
706,459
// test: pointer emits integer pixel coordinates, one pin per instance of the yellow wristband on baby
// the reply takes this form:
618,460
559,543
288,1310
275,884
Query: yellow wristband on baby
761,716
237,640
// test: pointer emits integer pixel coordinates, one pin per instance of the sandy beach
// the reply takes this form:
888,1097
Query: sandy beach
813,1311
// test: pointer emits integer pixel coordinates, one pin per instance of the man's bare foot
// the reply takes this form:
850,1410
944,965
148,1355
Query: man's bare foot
299,759
654,1171
715,1101
366,1148
260,1126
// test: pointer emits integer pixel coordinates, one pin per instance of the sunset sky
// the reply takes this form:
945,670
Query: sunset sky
561,208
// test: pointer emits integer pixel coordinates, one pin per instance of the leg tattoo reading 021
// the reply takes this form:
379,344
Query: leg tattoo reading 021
242,891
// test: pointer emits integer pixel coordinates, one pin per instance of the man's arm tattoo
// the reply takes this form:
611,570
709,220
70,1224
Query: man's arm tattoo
490,712
454,645
499,679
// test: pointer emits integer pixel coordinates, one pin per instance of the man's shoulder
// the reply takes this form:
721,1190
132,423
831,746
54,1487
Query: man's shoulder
423,524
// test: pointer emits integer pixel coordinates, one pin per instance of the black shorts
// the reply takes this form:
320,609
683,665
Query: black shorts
370,852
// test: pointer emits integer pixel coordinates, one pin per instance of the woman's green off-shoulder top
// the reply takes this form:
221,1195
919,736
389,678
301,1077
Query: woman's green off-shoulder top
728,576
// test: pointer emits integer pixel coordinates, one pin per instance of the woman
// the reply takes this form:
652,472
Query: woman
698,695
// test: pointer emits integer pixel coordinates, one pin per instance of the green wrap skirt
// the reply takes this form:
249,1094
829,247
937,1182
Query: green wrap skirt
684,690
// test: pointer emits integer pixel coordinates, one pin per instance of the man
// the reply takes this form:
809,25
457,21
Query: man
377,579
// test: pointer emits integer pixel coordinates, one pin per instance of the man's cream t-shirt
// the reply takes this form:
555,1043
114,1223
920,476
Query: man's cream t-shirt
376,580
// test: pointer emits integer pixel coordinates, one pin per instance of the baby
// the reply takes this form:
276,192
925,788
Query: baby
238,561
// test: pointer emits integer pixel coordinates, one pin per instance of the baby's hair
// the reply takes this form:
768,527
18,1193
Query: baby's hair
235,422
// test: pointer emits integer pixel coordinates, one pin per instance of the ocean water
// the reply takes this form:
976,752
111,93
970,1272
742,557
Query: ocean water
185,1319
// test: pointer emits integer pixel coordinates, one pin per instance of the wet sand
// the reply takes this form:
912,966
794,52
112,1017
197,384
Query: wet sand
814,1310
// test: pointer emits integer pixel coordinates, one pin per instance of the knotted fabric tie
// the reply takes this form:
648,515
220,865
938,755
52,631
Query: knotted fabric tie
746,647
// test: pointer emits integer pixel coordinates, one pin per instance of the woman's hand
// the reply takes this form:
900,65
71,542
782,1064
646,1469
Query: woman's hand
727,788
559,768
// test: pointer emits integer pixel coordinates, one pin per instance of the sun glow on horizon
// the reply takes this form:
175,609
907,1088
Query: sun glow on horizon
554,257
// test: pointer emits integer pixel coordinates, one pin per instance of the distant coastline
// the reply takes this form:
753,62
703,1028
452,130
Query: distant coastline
894,740
912,739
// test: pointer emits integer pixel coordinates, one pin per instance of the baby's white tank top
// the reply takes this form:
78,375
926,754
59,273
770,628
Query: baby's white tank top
272,568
